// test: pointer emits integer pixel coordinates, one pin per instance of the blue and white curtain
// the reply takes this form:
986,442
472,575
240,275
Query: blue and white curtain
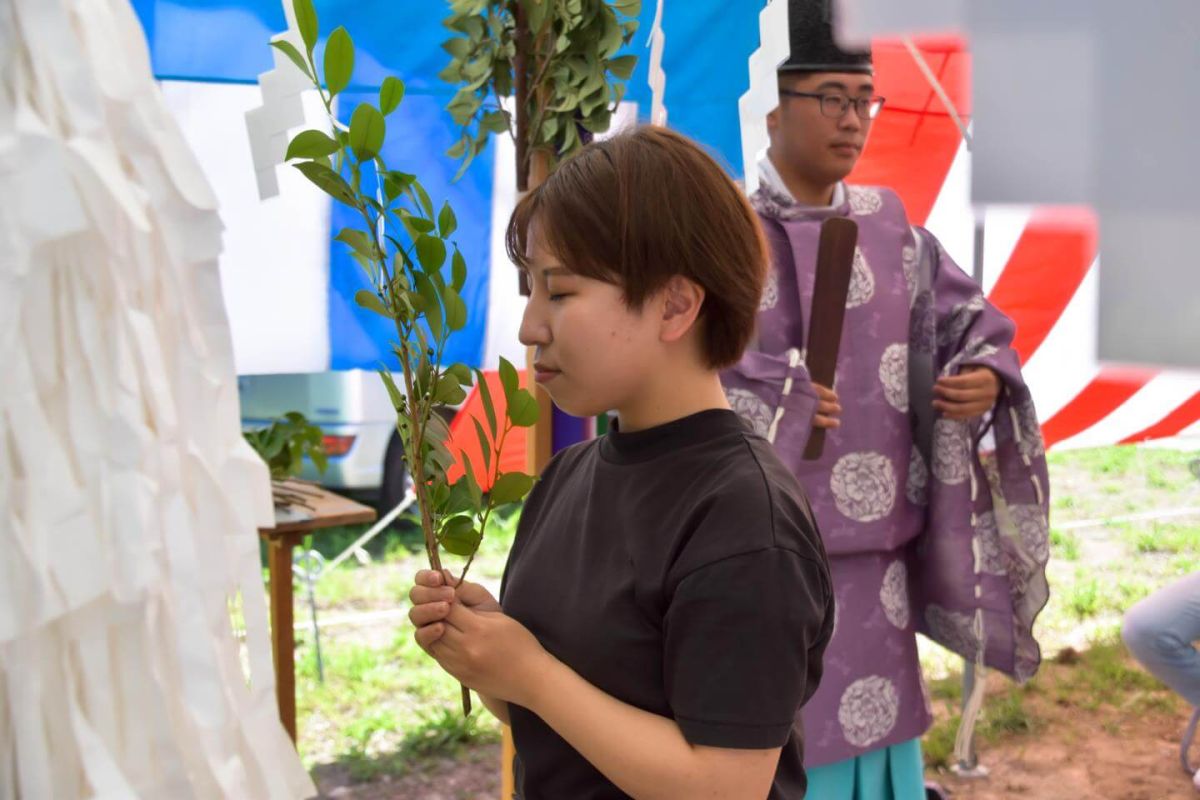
288,289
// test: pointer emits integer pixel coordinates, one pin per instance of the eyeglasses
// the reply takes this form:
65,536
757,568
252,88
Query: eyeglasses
835,106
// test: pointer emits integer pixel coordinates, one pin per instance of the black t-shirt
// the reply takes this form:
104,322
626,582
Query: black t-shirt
679,570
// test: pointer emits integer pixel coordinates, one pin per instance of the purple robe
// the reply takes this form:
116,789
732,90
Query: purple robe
955,549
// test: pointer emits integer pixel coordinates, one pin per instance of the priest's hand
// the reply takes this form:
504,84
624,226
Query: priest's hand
968,395
828,408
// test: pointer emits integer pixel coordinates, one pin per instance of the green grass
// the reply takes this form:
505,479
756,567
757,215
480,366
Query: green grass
1129,591
443,733
1126,478
1102,679
1004,716
937,745
1099,461
1065,502
1083,598
385,706
1164,537
1065,545
948,688
1183,565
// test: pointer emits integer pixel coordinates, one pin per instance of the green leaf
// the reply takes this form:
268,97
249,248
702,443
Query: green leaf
414,225
394,183
393,391
433,306
390,94
509,378
510,487
373,204
630,8
459,499
448,391
439,498
467,7
400,261
447,222
611,42
456,310
458,270
489,408
311,144
458,536
328,181
622,67
361,241
461,373
535,11
523,409
463,105
370,301
339,60
598,99
458,48
472,484
599,121
423,199
485,445
289,50
495,122
367,129
431,252
442,457
472,151
458,149
306,21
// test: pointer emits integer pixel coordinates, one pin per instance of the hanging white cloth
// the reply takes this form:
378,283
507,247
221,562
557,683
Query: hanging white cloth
128,500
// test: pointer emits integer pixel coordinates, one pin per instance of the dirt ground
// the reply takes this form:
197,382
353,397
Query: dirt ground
1075,760
1126,749
1139,763
475,775
1084,762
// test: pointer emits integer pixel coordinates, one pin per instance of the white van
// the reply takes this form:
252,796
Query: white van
353,409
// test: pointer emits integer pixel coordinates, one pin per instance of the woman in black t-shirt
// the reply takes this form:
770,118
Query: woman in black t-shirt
667,599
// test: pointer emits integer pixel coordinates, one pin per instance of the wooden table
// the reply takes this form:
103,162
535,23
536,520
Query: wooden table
328,510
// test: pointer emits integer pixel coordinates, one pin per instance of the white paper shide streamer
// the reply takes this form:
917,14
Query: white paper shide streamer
763,95
656,77
283,88
128,499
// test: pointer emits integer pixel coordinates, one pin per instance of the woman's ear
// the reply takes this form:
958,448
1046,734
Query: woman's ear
681,301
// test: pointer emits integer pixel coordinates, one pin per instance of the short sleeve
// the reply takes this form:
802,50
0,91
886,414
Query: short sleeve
743,640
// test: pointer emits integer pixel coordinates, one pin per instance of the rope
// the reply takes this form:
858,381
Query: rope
938,89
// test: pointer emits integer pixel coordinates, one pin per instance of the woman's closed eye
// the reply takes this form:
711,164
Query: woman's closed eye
556,291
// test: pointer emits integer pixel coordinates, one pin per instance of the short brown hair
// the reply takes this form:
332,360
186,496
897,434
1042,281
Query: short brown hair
646,205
